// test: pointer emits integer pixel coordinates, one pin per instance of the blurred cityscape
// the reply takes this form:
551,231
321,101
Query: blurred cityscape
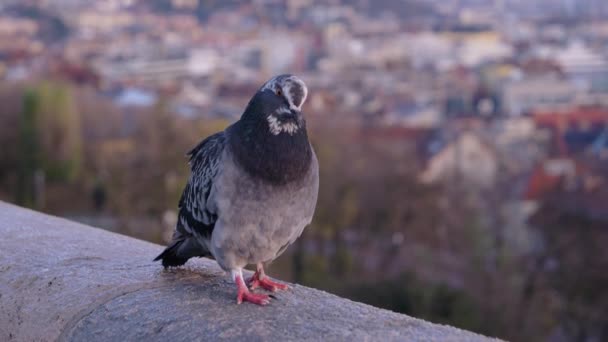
463,144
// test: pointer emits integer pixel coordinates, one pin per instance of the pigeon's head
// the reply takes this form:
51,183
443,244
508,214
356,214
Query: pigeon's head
279,102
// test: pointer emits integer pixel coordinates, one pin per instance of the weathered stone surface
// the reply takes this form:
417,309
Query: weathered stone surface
60,280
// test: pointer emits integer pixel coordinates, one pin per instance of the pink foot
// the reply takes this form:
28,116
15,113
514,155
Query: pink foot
255,298
265,283
245,295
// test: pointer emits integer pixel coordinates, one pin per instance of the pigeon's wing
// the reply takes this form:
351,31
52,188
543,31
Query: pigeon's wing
197,215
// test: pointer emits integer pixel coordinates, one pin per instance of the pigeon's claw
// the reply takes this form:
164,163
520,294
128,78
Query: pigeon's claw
255,298
244,294
260,280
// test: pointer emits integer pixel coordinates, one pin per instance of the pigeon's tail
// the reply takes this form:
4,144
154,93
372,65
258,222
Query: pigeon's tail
179,252
169,256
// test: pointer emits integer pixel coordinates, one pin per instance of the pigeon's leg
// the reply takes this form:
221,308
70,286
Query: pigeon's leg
260,279
243,293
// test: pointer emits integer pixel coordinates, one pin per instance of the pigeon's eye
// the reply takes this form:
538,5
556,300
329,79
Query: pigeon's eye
279,92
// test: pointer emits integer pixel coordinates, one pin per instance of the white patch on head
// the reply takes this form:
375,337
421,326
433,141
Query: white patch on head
287,94
276,127
285,84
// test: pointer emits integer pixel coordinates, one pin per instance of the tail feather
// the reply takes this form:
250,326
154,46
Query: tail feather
170,256
180,251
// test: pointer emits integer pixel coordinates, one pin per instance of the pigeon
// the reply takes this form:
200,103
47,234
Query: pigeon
252,189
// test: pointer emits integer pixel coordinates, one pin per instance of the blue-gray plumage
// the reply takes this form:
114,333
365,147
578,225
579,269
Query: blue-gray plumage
252,190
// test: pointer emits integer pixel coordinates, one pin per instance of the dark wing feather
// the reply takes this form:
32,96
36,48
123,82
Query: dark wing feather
196,215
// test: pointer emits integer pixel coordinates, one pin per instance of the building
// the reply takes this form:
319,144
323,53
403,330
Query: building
468,158
543,93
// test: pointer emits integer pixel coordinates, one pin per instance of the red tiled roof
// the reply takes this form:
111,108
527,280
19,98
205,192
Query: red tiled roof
563,119
559,122
540,183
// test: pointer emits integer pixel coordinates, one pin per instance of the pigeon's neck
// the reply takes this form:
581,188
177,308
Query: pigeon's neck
278,159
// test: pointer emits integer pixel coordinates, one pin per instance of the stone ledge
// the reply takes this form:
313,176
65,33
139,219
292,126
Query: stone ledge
61,280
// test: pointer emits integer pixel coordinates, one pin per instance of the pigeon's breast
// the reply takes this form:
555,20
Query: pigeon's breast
258,220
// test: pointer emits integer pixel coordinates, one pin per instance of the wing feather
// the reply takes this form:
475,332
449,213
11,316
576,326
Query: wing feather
197,215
